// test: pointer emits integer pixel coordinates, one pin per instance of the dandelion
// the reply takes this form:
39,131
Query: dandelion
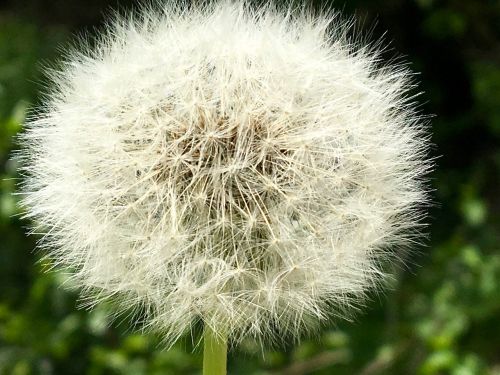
251,169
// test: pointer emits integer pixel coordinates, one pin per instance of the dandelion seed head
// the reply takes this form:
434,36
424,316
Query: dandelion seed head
250,169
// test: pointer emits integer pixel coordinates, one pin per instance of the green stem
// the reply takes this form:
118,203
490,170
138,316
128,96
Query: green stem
214,353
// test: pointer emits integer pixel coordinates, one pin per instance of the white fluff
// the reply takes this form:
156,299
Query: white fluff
251,169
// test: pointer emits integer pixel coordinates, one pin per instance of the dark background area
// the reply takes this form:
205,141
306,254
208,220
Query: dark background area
442,312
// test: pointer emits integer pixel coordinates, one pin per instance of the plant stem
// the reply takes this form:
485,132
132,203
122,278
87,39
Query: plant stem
214,353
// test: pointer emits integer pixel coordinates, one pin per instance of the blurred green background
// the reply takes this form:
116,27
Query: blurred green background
442,314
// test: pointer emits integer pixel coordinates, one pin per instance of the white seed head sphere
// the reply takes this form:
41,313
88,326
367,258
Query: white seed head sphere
250,169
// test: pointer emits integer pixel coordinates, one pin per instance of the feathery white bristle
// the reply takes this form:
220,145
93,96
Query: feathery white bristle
250,169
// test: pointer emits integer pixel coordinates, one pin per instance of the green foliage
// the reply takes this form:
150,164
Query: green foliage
442,315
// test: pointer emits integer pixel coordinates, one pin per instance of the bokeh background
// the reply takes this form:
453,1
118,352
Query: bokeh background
442,313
